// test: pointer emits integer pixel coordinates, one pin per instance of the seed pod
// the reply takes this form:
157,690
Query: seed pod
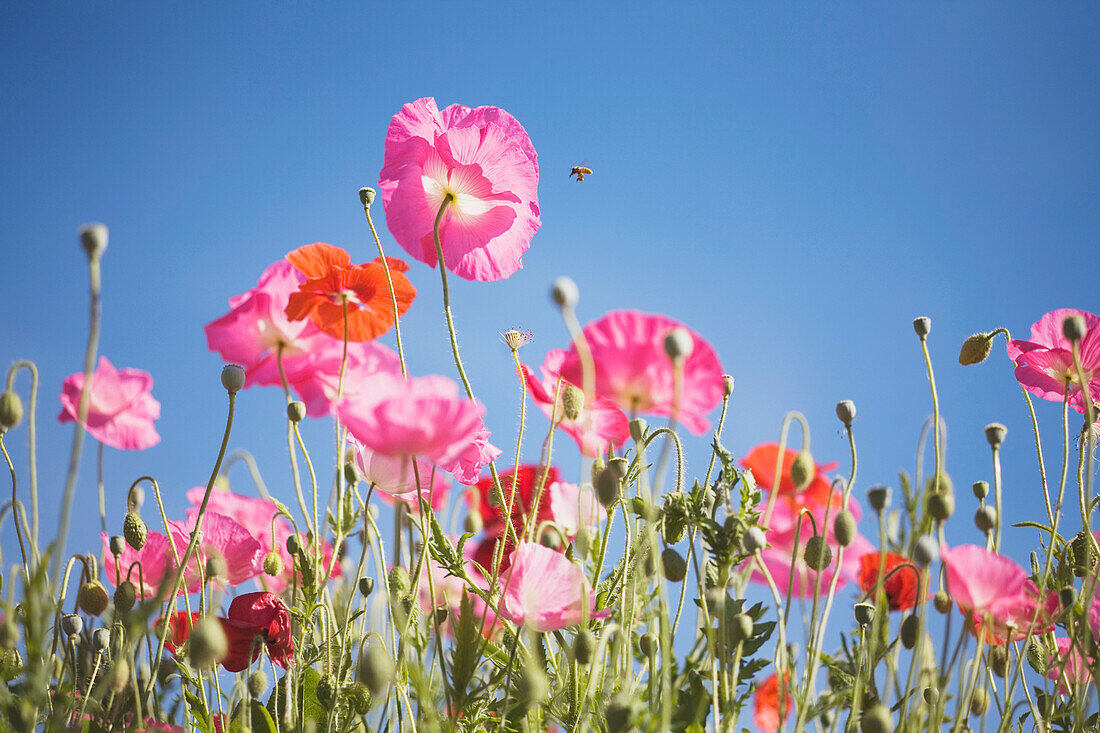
864,613
366,196
607,486
117,544
92,598
818,554
910,629
995,434
753,540
101,639
803,469
366,585
375,669
72,624
572,400
273,563
941,506
11,410
678,343
565,292
998,660
584,645
976,349
922,325
134,530
295,411
1074,327
876,719
93,238
215,567
844,527
846,412
981,490
674,565
233,378
931,695
727,385
942,602
925,551
257,683
125,596
878,497
292,544
985,518
326,691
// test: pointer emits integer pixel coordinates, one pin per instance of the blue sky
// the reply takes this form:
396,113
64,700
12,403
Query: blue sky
796,182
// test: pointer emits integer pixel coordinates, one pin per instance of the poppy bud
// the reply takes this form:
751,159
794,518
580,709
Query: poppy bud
326,691
979,703
351,474
818,554
941,506
925,551
637,426
583,646
864,613
9,634
998,661
399,584
92,598
607,486
1067,596
366,586
674,565
910,628
572,401
358,696
942,601
878,497
598,464
215,567
922,325
846,412
125,596
273,563
292,544
753,540
375,669
72,624
985,518
257,683
827,718
1037,656
120,675
134,530
876,719
295,411
1074,327
565,292
678,343
117,543
93,238
995,434
1084,556
741,628
622,712
582,542
940,483
11,410
976,349
727,384
647,644
208,643
844,527
233,378
136,498
674,518
931,695
551,539
101,639
366,195
803,469
981,490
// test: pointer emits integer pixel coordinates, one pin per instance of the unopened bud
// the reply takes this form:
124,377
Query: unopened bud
998,660
1037,657
995,434
818,554
572,401
941,506
753,540
925,552
134,530
674,565
351,474
583,646
9,634
1074,327
1067,596
647,644
215,567
11,410
803,469
257,683
846,412
233,378
607,486
473,523
358,697
399,582
979,703
976,349
93,238
366,195
942,602
273,563
876,719
741,628
125,596
922,325
375,669
910,629
864,613
844,527
678,343
117,544
209,644
565,292
92,598
326,691
292,544
366,586
931,695
296,411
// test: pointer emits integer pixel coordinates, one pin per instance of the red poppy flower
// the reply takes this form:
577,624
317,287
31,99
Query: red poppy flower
761,461
251,616
333,281
901,585
484,502
765,704
180,624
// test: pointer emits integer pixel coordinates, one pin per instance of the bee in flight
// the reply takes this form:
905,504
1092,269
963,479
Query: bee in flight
580,172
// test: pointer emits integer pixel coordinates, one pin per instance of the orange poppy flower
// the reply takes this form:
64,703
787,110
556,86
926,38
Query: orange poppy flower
901,585
765,705
333,281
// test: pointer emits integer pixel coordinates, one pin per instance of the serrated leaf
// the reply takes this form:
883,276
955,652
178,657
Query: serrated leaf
467,649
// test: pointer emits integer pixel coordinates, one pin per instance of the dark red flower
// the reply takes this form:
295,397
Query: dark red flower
484,503
900,585
254,620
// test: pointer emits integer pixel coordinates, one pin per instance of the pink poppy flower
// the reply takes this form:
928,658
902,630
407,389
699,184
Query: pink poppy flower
394,479
1045,363
477,454
993,591
256,326
225,538
546,591
633,370
316,378
121,410
152,565
1070,665
781,538
484,159
600,423
573,508
423,417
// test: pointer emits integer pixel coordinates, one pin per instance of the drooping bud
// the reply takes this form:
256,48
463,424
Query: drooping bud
359,697
941,506
876,719
399,583
296,411
233,378
846,412
925,552
844,527
679,344
375,669
134,530
753,540
1067,596
942,602
674,565
995,434
326,691
273,563
215,567
607,486
1084,556
878,497
998,660
976,349
818,554
292,545
922,325
11,410
572,400
979,703
864,613
92,598
93,238
366,196
985,518
583,646
803,469
125,596
1074,327
257,683
209,644
1037,656
622,712
910,629
981,490
565,292
647,644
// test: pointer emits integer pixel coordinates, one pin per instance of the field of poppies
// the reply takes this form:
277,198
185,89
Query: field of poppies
421,577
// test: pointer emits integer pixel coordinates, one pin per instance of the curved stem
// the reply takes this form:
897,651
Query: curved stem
393,293
15,509
32,439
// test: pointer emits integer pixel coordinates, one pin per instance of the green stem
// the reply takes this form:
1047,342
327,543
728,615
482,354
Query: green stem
32,439
393,293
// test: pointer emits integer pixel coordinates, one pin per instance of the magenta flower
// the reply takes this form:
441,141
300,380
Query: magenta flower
393,477
316,378
546,591
146,568
477,454
1069,666
600,423
633,370
423,417
222,537
1045,363
484,159
121,410
995,593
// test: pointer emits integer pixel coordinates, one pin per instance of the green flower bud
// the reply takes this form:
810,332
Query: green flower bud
648,644
942,602
753,540
584,646
607,486
740,628
9,634
998,661
11,410
125,596
473,523
326,691
399,583
844,527
273,563
292,544
979,703
358,697
1084,556
1074,327
622,712
818,554
92,598
803,469
976,349
257,683
1037,657
941,506
375,669
876,719
208,644
134,530
910,628
674,565
366,586
572,400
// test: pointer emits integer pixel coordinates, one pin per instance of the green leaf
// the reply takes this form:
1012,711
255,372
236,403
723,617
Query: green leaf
262,722
307,703
467,649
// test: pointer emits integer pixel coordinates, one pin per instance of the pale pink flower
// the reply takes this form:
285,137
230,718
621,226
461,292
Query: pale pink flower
995,593
394,479
256,326
1045,363
574,508
484,159
546,591
316,378
600,423
225,538
633,370
1069,661
423,416
477,454
121,410
146,568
